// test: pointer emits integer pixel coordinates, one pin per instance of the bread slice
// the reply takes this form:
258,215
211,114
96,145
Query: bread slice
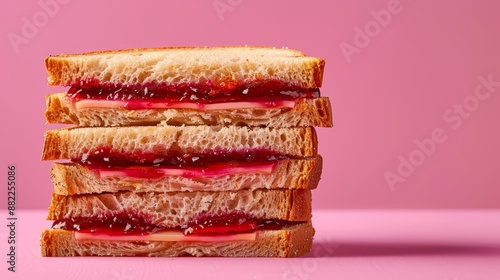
70,143
72,178
170,210
187,65
291,241
307,112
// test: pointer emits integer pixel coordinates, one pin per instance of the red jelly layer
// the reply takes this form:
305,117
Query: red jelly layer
134,223
234,222
150,172
267,90
106,157
118,223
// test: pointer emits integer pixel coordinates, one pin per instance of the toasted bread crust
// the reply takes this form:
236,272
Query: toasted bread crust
307,112
282,51
187,65
171,210
292,241
72,178
70,143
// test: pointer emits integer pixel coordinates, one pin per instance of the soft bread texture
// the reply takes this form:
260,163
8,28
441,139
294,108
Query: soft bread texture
72,178
171,210
71,143
187,65
291,241
307,112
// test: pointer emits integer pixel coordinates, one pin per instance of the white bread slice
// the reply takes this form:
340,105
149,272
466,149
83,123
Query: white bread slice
70,143
307,112
72,178
187,65
291,241
172,210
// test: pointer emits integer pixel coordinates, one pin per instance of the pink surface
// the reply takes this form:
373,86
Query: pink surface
398,74
448,245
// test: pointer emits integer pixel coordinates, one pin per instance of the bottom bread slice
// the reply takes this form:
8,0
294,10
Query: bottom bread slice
73,178
290,241
307,112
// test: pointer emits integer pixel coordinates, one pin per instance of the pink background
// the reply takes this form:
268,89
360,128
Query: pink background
348,244
394,91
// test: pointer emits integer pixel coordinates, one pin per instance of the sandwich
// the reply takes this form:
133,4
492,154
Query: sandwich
176,222
191,86
173,159
184,151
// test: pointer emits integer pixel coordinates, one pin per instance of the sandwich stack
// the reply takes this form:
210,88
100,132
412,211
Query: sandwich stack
184,151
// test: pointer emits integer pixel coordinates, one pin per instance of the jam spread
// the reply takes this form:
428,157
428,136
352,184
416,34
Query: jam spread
211,170
233,222
268,91
135,223
111,223
142,172
140,105
106,157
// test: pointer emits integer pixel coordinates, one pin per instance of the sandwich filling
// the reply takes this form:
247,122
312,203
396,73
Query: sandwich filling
122,225
212,170
204,96
147,164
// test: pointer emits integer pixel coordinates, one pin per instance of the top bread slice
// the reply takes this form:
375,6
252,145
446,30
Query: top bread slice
197,65
71,143
175,209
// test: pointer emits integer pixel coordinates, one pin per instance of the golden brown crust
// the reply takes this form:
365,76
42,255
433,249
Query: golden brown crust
292,241
300,241
283,51
176,209
307,112
300,207
70,143
72,178
191,65
53,145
